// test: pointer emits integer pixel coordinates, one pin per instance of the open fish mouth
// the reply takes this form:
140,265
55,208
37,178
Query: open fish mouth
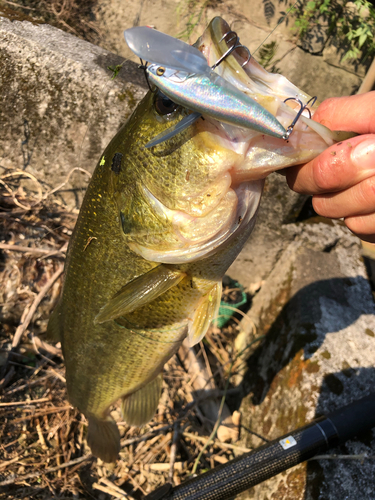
261,154
221,165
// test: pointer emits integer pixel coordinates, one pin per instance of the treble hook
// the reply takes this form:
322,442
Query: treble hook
144,67
302,109
235,46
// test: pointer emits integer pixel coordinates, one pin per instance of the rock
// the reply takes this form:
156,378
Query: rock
317,311
316,37
60,107
253,21
269,238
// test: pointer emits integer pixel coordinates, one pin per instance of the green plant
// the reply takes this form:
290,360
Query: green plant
352,23
265,56
193,11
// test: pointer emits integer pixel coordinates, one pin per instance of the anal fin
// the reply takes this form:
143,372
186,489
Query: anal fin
140,407
206,311
103,438
140,292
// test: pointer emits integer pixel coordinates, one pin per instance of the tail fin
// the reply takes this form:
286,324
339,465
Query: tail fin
104,438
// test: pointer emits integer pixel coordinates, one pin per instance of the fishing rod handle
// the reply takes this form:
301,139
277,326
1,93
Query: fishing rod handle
227,480
243,472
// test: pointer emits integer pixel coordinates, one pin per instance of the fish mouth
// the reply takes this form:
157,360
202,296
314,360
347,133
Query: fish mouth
260,154
217,203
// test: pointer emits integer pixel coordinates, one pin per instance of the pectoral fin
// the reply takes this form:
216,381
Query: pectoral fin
140,292
206,311
103,437
140,407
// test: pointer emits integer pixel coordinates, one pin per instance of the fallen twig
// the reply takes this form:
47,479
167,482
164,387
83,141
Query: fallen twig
163,467
4,465
7,377
225,446
69,174
173,454
29,384
40,344
20,173
201,382
20,403
219,419
18,5
17,479
110,491
43,251
41,414
24,324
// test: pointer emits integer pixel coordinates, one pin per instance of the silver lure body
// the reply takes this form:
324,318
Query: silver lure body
181,71
211,95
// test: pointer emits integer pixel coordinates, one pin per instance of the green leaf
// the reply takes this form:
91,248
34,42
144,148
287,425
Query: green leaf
362,40
115,70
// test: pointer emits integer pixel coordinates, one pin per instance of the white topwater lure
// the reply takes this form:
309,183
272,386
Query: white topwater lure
182,73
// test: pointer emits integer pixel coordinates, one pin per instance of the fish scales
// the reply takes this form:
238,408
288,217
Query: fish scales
157,230
106,361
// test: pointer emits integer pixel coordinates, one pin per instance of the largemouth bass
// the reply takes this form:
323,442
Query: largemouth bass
157,230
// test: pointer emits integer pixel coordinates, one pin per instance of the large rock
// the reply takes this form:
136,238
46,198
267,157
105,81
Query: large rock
317,311
324,76
60,106
270,236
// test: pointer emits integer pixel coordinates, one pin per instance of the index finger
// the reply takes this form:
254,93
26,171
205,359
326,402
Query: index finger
353,113
348,162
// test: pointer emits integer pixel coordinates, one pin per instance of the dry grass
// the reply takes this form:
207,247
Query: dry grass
43,450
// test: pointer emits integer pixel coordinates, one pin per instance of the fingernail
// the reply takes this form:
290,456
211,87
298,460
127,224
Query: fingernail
363,155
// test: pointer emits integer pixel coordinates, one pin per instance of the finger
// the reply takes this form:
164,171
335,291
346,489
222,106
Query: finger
339,167
362,226
358,200
353,113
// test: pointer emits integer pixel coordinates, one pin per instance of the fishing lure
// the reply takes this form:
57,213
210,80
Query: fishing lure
182,73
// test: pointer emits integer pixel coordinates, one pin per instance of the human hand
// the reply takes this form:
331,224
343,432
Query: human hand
342,178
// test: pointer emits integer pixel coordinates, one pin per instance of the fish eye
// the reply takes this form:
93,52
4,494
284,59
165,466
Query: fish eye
164,105
160,71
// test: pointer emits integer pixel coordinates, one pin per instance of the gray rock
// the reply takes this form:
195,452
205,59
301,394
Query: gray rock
312,74
317,311
269,238
59,105
316,37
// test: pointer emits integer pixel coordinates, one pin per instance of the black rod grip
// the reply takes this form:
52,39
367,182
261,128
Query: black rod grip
240,474
243,472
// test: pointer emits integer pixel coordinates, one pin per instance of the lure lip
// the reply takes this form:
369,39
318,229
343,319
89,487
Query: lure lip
183,124
157,47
